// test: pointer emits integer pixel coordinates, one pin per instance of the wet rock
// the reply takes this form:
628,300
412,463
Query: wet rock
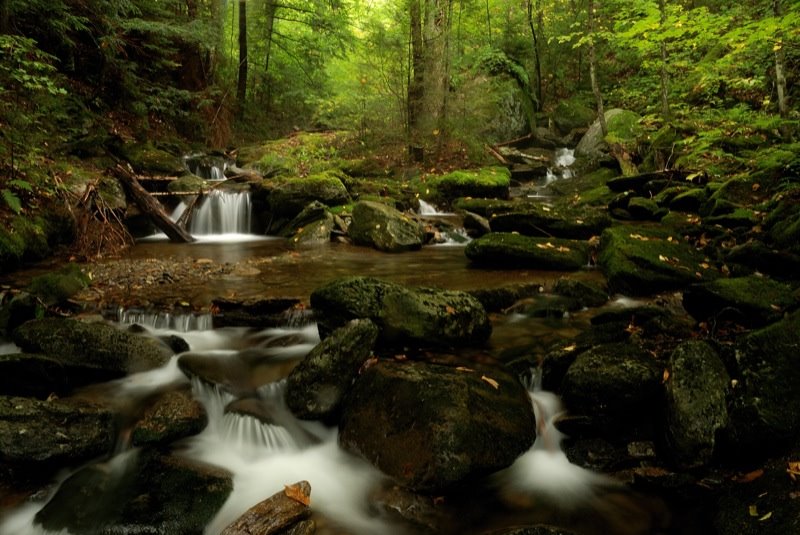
21,308
414,316
752,301
149,160
756,256
501,298
44,435
507,250
560,221
586,294
187,182
765,412
92,344
641,262
289,197
277,514
240,374
644,209
783,223
378,225
416,511
476,225
617,383
484,207
172,416
253,312
738,218
489,182
317,385
689,201
695,408
312,226
138,492
431,426
622,124
34,375
57,287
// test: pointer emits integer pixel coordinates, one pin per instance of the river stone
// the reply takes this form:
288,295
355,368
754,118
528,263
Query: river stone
138,492
149,160
91,344
639,261
753,301
275,515
644,209
695,408
173,415
689,201
623,125
489,182
240,374
25,374
239,312
314,233
378,225
476,225
559,221
315,387
430,426
587,294
43,435
766,408
288,198
514,250
618,381
404,315
783,223
502,297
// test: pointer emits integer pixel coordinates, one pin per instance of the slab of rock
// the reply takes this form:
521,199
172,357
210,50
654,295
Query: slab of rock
490,182
695,407
559,221
253,312
430,426
514,250
25,374
404,315
275,515
92,344
288,198
316,386
378,225
752,301
171,416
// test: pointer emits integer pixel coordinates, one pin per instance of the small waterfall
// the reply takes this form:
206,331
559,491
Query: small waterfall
222,212
426,209
206,167
166,320
564,158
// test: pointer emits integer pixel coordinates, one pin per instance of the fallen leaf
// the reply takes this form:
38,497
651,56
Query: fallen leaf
464,369
665,376
705,265
793,469
569,348
750,476
775,307
400,357
491,381
545,208
756,186
663,258
563,249
765,517
752,510
449,309
296,493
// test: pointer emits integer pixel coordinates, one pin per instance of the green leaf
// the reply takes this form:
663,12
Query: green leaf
21,184
12,200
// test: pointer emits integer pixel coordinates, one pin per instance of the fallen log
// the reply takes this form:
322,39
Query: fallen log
150,206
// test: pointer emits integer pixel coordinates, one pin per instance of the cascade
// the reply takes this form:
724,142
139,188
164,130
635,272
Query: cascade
222,212
427,209
206,167
564,158
179,322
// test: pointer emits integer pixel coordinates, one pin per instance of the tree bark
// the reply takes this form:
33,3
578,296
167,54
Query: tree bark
150,206
536,57
665,110
416,82
241,87
598,96
780,76
4,17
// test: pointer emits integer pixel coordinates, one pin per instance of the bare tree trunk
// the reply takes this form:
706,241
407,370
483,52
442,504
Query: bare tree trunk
598,96
416,82
536,57
665,111
780,76
488,23
270,8
241,87
4,17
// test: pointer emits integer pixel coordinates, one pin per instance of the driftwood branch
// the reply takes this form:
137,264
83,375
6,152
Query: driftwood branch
499,157
150,206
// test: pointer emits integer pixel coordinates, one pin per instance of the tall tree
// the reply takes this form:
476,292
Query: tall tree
4,16
598,96
665,110
780,75
241,85
536,53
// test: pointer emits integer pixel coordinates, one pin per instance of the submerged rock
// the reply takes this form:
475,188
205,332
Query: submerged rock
514,250
92,344
378,225
277,514
138,492
695,408
317,385
414,316
430,426
753,301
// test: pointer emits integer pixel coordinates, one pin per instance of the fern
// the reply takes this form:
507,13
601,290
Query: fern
12,200
21,184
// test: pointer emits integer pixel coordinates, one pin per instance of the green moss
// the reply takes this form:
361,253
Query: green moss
486,182
12,247
57,287
740,217
483,207
187,182
514,250
624,127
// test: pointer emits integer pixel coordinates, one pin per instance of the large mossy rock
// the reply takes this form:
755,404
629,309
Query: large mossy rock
573,113
431,426
623,126
489,182
378,225
783,222
695,404
765,412
559,221
56,287
614,383
753,301
413,316
317,385
138,492
175,414
149,160
40,435
97,345
289,197
506,249
640,262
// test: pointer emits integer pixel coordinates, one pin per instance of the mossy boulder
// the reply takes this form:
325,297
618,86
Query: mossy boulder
111,193
695,404
514,250
484,207
187,182
312,226
783,222
317,385
644,209
689,201
289,197
58,286
487,182
92,344
623,127
431,427
404,316
558,220
35,375
149,160
573,113
173,415
752,301
378,225
585,293
640,262
738,218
